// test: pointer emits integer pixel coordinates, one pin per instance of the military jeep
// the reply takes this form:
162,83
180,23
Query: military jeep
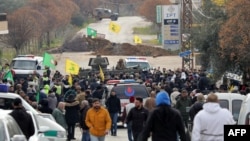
101,13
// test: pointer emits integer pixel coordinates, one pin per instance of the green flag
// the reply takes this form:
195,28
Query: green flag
8,76
48,60
91,32
38,96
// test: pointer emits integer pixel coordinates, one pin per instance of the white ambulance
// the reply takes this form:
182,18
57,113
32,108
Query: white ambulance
141,62
24,65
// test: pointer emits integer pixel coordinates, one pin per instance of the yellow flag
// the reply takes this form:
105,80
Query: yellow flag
101,74
137,39
71,67
114,27
70,80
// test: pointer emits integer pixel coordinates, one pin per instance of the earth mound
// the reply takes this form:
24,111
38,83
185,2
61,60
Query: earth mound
105,47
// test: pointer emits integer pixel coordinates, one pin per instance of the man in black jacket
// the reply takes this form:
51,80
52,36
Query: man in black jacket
23,119
113,105
83,112
72,108
137,116
164,122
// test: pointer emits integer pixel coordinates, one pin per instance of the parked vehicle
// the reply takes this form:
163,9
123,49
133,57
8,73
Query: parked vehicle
244,116
231,101
9,129
124,89
101,13
55,132
24,65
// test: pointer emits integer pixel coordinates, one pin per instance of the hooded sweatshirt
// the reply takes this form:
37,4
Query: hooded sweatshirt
162,98
164,122
209,123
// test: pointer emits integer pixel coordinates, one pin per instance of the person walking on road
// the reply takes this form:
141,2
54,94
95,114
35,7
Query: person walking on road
126,110
113,105
137,116
182,104
72,108
209,122
23,119
164,122
59,115
84,128
98,121
150,102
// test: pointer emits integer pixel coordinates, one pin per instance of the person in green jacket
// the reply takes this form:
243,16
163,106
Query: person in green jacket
183,104
58,114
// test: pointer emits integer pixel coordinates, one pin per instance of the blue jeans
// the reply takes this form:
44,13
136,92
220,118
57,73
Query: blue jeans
85,135
95,138
129,130
114,118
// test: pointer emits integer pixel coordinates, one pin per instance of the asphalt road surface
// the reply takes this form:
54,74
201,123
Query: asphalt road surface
125,35
121,135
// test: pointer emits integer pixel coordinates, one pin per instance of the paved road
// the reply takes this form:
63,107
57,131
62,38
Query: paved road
121,135
82,59
125,35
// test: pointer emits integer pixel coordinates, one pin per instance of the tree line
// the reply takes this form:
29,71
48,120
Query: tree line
35,24
223,38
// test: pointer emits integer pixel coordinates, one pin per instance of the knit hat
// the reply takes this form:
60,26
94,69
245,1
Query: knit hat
162,98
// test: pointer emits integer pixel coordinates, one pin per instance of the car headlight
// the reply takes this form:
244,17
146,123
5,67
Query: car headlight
61,134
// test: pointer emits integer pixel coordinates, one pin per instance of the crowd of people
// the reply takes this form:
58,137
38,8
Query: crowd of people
175,98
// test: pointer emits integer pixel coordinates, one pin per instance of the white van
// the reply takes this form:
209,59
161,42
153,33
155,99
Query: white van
142,62
231,101
24,65
244,117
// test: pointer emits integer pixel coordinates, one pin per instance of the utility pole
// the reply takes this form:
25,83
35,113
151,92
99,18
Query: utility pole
187,61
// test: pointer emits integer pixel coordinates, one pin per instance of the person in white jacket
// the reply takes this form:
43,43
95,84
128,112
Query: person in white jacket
209,123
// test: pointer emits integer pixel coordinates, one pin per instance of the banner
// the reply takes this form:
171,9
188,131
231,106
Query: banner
71,67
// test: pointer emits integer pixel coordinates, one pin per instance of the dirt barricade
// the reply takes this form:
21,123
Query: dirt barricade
105,47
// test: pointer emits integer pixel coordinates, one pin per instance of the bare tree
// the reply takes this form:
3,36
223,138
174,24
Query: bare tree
23,27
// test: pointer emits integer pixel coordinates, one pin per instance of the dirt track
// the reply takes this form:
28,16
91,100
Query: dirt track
169,62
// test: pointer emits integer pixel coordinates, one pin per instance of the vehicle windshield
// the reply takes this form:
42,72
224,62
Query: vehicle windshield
24,64
142,65
126,91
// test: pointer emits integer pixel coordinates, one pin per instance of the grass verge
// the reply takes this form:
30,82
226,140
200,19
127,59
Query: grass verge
147,30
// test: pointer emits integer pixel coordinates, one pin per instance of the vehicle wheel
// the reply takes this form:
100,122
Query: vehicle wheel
112,18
